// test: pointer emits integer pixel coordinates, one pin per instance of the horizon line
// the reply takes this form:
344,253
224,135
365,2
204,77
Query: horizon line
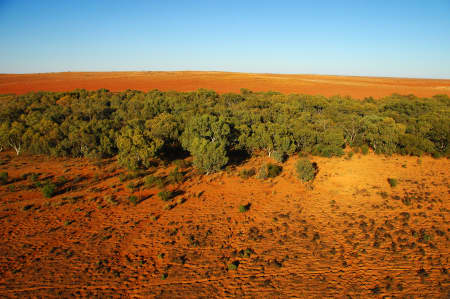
231,72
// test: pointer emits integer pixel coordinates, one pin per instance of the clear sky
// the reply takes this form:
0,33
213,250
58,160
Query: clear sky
374,38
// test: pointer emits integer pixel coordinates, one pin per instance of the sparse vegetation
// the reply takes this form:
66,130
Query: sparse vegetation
246,173
152,181
165,195
392,182
133,200
175,176
49,190
244,208
3,178
306,170
233,265
269,170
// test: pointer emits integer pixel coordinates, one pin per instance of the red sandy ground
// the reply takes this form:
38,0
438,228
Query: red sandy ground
222,82
347,234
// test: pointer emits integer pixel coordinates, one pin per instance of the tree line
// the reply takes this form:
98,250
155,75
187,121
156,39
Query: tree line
139,127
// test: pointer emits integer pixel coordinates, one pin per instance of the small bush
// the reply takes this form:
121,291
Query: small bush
175,176
279,156
165,195
349,156
3,178
49,190
133,199
273,170
169,206
181,164
392,182
269,171
111,200
34,177
233,266
152,181
131,186
244,208
131,175
365,149
306,170
246,173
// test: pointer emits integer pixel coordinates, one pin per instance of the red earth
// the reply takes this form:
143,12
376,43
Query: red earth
223,82
349,234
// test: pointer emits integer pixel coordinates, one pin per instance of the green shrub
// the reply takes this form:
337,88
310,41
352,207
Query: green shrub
133,199
273,170
246,173
165,195
306,170
349,155
181,163
175,176
3,178
269,170
244,208
392,182
34,177
152,181
49,190
279,156
111,199
131,186
233,266
364,149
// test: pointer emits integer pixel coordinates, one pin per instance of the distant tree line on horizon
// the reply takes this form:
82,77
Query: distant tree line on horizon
139,127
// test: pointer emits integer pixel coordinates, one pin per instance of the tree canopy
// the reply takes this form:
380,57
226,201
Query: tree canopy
141,126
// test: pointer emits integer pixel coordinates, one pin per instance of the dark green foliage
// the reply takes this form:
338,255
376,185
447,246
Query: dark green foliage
306,170
175,176
181,164
152,181
3,178
244,208
209,156
49,190
140,127
131,186
206,137
165,195
279,156
233,266
246,173
270,170
392,182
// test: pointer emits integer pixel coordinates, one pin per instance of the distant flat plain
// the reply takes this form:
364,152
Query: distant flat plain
223,82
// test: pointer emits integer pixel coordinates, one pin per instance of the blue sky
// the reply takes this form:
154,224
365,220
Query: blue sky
374,38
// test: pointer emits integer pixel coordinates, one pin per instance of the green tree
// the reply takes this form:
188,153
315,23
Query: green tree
206,137
11,135
136,147
381,133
